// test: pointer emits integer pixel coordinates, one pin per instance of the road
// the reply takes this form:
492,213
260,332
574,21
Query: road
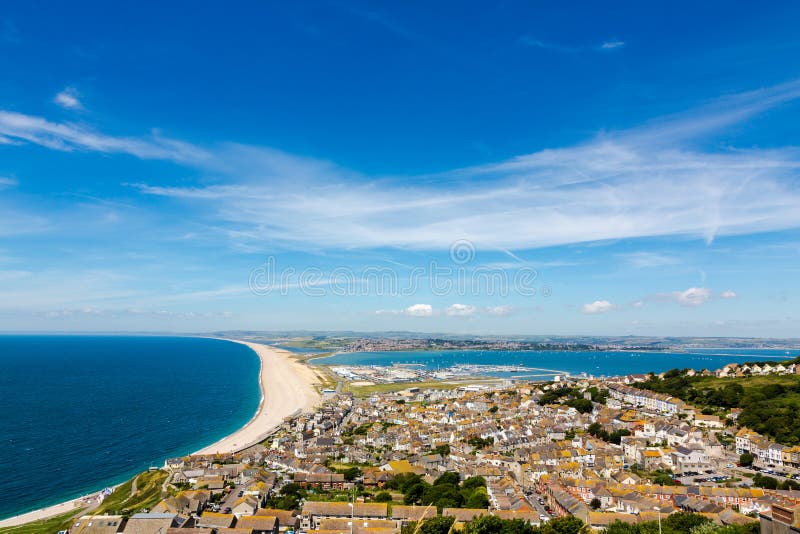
533,500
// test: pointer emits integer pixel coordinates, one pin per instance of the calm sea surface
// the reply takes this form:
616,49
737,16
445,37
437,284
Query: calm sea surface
78,413
597,363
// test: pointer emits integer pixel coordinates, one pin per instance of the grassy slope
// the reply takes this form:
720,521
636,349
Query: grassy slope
747,382
45,526
148,493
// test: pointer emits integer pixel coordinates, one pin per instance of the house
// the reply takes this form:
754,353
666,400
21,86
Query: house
708,421
406,514
97,524
215,520
246,505
259,524
287,520
153,523
185,502
314,512
686,460
624,477
320,480
360,526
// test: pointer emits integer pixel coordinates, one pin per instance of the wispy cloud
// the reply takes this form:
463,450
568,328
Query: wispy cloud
6,182
646,182
461,310
612,45
533,42
18,127
692,297
454,310
415,310
648,260
500,311
68,99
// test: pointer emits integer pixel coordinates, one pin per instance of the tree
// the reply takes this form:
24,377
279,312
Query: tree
582,405
442,496
449,477
479,498
383,496
746,459
595,504
684,521
351,473
761,481
432,525
442,450
618,527
490,524
565,525
474,482
414,493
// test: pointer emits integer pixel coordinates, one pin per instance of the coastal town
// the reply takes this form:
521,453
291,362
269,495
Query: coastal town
602,453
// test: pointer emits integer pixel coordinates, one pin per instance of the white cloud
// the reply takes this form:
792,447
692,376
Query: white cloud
461,310
728,294
500,311
694,296
598,306
646,182
5,182
611,45
68,99
419,310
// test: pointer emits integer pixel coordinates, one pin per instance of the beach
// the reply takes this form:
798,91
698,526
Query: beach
287,386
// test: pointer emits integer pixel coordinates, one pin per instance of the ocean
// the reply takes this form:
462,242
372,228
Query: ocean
595,363
78,413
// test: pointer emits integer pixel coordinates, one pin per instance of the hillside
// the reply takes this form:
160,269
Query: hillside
769,403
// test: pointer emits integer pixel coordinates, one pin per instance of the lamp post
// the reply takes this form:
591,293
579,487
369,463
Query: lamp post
658,509
352,511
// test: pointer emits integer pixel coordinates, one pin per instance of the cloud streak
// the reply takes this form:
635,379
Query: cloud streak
646,182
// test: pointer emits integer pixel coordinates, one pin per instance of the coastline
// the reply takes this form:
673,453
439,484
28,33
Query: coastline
287,386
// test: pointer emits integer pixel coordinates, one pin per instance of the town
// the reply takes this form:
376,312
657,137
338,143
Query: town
604,453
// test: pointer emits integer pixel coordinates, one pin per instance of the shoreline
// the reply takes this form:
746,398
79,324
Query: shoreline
287,386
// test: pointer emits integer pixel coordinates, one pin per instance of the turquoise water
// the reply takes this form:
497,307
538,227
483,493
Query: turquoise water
597,363
78,413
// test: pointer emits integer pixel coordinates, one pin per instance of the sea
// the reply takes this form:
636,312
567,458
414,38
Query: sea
544,364
80,413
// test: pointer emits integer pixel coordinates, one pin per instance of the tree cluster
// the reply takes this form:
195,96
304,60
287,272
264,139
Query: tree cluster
597,430
447,491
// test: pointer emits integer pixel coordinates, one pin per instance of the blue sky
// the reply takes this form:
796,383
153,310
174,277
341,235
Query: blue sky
615,168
